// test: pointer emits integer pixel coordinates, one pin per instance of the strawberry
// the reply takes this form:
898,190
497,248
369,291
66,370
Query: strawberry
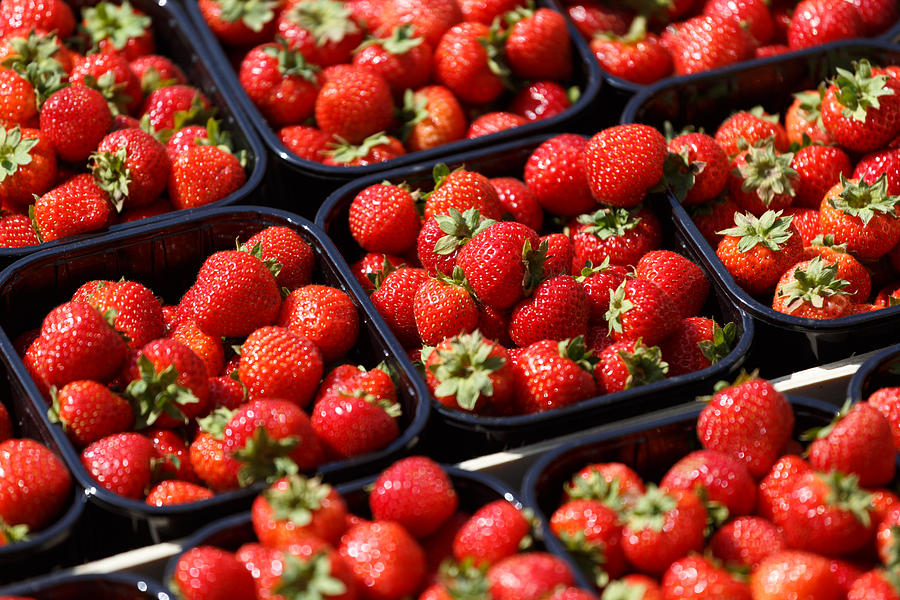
225,392
857,442
463,64
429,18
752,14
208,348
471,373
876,14
235,294
432,117
756,251
172,448
861,109
521,203
394,300
401,58
308,568
810,289
18,103
209,573
707,42
887,401
486,11
47,15
699,577
78,206
560,254
862,216
640,309
323,314
627,364
461,189
266,436
711,179
131,166
213,466
871,166
496,530
752,127
614,484
818,22
746,541
371,265
292,252
443,308
528,576
240,23
809,577
541,100
385,559
309,143
696,343
598,281
725,479
16,231
776,487
876,584
494,122
663,527
806,222
294,509
354,106
804,117
416,493
636,56
172,106
89,411
280,83
204,174
322,30
538,46
618,235
556,173
683,282
591,18
624,162
121,463
138,314
34,484
557,309
731,423
278,363
762,179
592,532
111,75
172,491
639,587
383,218
74,120
818,169
118,29
155,70
376,148
553,374
354,422
29,167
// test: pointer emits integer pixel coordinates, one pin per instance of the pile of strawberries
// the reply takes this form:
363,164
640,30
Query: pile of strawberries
745,516
514,322
106,133
805,214
379,79
35,486
175,402
642,42
418,543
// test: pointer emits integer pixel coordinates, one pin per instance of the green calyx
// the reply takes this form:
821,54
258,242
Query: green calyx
595,487
818,433
13,533
413,112
151,80
265,458
378,277
495,47
645,365
812,285
463,580
589,557
272,264
460,228
45,76
618,306
609,222
254,13
650,510
893,548
722,343
766,172
464,369
589,269
34,224
112,90
771,230
534,265
892,577
196,114
575,350
621,590
844,493
115,23
863,200
112,175
214,423
326,20
291,62
157,393
828,241
34,48
637,32
344,152
399,42
860,90
299,501
15,151
308,579
680,174
811,104
216,136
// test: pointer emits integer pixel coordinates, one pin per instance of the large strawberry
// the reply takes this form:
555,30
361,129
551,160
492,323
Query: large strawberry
556,173
463,63
89,411
239,23
528,576
686,576
617,235
324,315
132,167
627,364
639,308
756,251
278,363
118,29
355,106
403,59
822,22
138,314
636,55
34,484
350,422
557,309
79,205
745,541
324,31
861,109
415,492
290,250
443,308
121,463
461,189
707,42
74,120
206,572
28,166
294,508
385,559
553,374
818,169
811,577
432,116
862,216
280,83
496,530
383,218
624,162
538,47
204,174
812,290
762,178
394,299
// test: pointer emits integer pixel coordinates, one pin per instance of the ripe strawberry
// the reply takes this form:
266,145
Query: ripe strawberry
34,484
444,308
861,109
616,234
173,450
235,294
266,434
520,202
590,18
383,218
557,175
857,442
806,222
792,573
627,364
804,117
355,106
376,148
598,281
810,289
871,166
173,104
308,568
153,70
47,15
394,300
560,254
279,363
138,314
16,231
401,58
204,174
213,466
887,401
528,576
111,75
538,46
557,309
89,411
818,169
496,530
462,63
753,128
209,573
698,577
290,250
696,343
132,167
240,23
818,22
756,251
432,116
121,463
639,587
173,491
416,493
746,541
683,282
541,100
322,30
592,532
208,348
429,18
862,216
762,179
494,122
709,180
640,309
624,162
754,15
324,315
462,190
309,143
725,479
280,83
29,167
614,484
353,422
486,11
876,584
295,508
79,205
708,42
385,559
18,103
551,374
74,120
120,30
636,55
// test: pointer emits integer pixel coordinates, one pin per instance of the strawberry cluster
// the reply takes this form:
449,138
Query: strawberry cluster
417,544
108,133
163,407
514,322
35,485
380,79
641,41
805,212
769,524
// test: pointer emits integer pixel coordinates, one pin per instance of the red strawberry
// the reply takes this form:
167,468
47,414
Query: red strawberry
557,175
711,179
598,281
309,568
861,109
637,586
347,380
355,106
811,289
172,491
818,22
623,162
871,166
775,488
528,576
212,465
804,117
47,15
416,493
462,190
618,235
240,23
79,205
209,573
541,100
323,314
876,584
557,309
204,174
433,117
708,42
16,231
354,422
118,30
154,70
762,178
429,18
386,561
29,167
291,251
683,281
371,265
294,509
462,63
818,169
383,218
121,463
493,122
753,128
34,484
806,222
280,83
496,530
376,148
394,300
590,18
696,343
89,411
486,11
887,402
640,309
519,202
791,573
278,363
401,58
593,533
862,216
309,143
538,45
174,452
110,75
138,313
751,14
725,479
636,55
614,484
560,254
746,541
173,104
209,348
322,30
698,577
553,374
443,308
627,364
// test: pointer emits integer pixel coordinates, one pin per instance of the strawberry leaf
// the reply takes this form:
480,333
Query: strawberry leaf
114,23
254,13
860,90
722,343
862,200
771,230
299,500
649,512
265,458
610,222
645,365
214,423
767,172
326,20
15,151
464,370
112,175
399,42
812,285
157,393
308,579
